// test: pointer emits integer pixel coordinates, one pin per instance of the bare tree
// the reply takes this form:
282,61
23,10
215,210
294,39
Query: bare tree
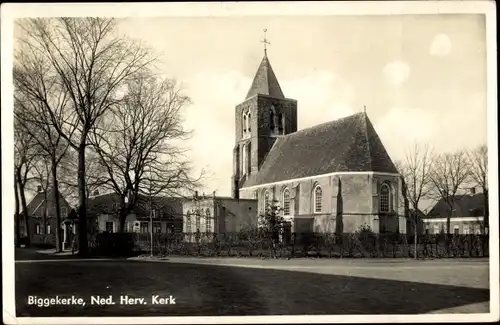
95,174
36,120
89,62
478,160
25,151
41,179
449,172
138,146
415,171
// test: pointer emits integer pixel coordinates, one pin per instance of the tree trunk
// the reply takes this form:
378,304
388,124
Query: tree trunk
16,217
122,217
82,208
25,211
55,190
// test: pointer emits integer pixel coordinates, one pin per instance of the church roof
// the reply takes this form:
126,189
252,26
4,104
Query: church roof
345,145
265,81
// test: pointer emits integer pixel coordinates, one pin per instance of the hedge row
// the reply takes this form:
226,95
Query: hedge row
312,244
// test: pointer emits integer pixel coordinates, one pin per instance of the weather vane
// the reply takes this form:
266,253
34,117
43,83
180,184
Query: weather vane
265,41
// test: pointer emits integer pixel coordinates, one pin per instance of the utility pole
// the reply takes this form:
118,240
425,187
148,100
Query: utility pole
416,233
151,211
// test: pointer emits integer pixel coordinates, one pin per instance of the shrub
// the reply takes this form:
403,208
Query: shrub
114,244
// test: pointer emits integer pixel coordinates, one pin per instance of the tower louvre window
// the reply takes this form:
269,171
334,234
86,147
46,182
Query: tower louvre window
280,123
249,122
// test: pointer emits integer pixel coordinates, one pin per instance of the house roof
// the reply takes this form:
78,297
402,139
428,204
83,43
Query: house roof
465,206
103,204
37,201
344,145
265,81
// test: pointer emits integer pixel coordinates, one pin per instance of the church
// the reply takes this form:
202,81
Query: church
332,177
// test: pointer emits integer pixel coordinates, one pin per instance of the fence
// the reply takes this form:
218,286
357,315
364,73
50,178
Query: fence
315,245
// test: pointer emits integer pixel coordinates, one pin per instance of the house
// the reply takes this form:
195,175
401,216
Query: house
218,214
41,211
332,177
166,213
466,216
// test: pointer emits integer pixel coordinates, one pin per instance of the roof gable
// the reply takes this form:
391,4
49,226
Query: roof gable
465,206
265,81
345,145
38,201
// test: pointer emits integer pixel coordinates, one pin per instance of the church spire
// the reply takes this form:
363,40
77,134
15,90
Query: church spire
265,81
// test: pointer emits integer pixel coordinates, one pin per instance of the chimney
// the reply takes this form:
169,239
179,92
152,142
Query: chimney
39,189
213,194
195,194
472,191
96,192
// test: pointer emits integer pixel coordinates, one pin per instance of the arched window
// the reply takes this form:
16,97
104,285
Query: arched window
280,123
266,200
249,122
208,221
318,199
271,119
283,124
286,202
385,198
249,158
244,158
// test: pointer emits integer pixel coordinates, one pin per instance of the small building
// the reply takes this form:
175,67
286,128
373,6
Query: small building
219,215
466,216
41,211
165,213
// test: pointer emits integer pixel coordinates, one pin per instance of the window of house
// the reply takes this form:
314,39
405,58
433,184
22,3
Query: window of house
466,229
198,222
64,212
156,227
385,196
188,222
109,226
436,229
456,230
286,202
126,227
318,198
37,229
144,227
208,221
427,230
48,229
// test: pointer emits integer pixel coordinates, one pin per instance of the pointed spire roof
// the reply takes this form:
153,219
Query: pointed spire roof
265,81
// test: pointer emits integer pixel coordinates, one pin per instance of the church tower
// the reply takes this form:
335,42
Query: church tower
260,119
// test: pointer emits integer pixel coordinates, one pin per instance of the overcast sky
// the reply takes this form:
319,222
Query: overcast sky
421,77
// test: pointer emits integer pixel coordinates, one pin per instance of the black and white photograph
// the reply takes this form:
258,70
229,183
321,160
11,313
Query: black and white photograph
249,162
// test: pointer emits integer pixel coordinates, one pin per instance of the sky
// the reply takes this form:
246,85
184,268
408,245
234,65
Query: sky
422,78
